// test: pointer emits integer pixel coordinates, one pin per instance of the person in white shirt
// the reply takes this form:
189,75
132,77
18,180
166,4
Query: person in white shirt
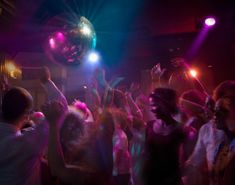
216,143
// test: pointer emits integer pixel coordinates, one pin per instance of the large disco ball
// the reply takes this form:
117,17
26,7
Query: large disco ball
70,39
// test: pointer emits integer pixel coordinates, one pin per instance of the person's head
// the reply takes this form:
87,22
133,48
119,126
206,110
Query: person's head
224,113
224,89
192,102
16,105
163,102
83,110
73,125
71,132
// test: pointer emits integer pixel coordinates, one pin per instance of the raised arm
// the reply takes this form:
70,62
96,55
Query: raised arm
53,92
135,110
157,74
55,114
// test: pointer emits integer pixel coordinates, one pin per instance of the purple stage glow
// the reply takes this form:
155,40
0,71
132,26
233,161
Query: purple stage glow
197,43
208,22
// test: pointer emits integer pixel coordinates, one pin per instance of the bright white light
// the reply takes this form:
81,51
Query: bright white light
52,43
193,73
93,57
86,30
210,21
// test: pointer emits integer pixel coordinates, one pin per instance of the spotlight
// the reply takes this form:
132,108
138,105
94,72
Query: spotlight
12,70
210,21
60,36
86,30
10,66
193,73
93,57
52,43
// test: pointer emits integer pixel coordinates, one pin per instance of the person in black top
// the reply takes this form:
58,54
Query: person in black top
164,136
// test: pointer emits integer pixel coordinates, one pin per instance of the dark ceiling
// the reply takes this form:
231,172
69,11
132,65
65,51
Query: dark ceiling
138,32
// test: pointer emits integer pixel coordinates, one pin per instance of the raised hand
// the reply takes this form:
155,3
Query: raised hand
157,72
45,74
179,62
100,76
134,87
54,111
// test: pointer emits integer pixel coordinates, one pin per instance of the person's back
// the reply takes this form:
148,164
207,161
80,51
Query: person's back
20,153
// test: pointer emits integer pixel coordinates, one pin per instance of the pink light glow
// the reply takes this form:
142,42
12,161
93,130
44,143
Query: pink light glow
60,36
52,43
210,21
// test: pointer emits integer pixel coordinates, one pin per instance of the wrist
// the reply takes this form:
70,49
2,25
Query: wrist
44,80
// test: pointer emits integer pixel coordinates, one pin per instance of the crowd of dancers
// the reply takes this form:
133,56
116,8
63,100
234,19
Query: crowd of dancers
172,133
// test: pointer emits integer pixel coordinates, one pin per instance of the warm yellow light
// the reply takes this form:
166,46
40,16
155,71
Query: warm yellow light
16,74
10,67
193,73
12,70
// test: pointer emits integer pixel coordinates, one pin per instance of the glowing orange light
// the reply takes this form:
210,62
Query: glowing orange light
10,67
193,73
12,70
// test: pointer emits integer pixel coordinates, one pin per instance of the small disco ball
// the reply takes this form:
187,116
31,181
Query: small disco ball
70,39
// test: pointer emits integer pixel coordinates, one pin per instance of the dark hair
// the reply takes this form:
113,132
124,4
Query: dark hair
16,102
224,89
193,101
106,122
167,96
72,127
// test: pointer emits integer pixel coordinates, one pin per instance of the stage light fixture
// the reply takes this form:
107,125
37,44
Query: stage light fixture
193,73
210,21
93,57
